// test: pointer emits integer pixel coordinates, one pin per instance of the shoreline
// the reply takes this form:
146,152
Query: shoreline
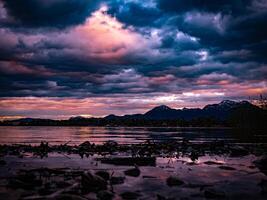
160,171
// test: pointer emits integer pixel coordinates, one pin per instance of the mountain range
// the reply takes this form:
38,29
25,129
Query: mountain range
220,111
226,113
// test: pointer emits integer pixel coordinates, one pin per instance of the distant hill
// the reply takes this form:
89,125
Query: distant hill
240,114
219,111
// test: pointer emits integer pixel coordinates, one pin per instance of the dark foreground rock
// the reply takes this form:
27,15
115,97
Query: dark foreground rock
135,172
130,195
227,168
103,174
92,183
105,195
116,180
130,161
174,181
262,164
214,194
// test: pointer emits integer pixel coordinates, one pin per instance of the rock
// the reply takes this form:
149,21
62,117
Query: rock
116,180
227,168
135,172
30,178
174,181
194,155
111,143
45,191
2,162
262,164
26,181
85,144
130,195
103,174
130,161
212,163
69,197
263,185
213,194
91,183
16,184
105,195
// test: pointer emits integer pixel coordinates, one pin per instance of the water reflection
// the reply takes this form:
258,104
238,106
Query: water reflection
122,135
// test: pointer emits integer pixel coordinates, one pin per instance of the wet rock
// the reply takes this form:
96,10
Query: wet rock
25,181
263,185
116,180
45,191
135,172
85,144
91,183
262,164
130,195
111,143
238,151
62,184
212,163
130,161
31,178
16,184
2,162
194,155
227,168
105,195
174,181
213,194
103,174
69,197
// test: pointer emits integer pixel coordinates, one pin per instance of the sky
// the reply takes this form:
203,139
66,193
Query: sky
63,58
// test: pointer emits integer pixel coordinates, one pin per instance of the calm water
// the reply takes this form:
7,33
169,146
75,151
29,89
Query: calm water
122,135
241,182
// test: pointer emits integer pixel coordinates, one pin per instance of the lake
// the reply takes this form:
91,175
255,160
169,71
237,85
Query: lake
122,135
202,167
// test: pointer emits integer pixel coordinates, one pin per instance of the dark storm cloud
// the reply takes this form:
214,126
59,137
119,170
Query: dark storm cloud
134,13
130,47
226,6
52,13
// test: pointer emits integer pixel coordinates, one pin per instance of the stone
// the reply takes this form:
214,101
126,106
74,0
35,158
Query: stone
103,174
92,183
69,197
227,168
174,181
263,185
105,195
130,161
2,162
262,164
212,163
213,194
135,172
116,180
130,195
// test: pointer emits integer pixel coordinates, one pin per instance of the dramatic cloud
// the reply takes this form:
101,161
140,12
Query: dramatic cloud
126,56
52,13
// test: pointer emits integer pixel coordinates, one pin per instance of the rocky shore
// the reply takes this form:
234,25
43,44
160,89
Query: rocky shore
169,170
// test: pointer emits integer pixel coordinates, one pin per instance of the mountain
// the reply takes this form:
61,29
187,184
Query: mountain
161,112
221,111
226,113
